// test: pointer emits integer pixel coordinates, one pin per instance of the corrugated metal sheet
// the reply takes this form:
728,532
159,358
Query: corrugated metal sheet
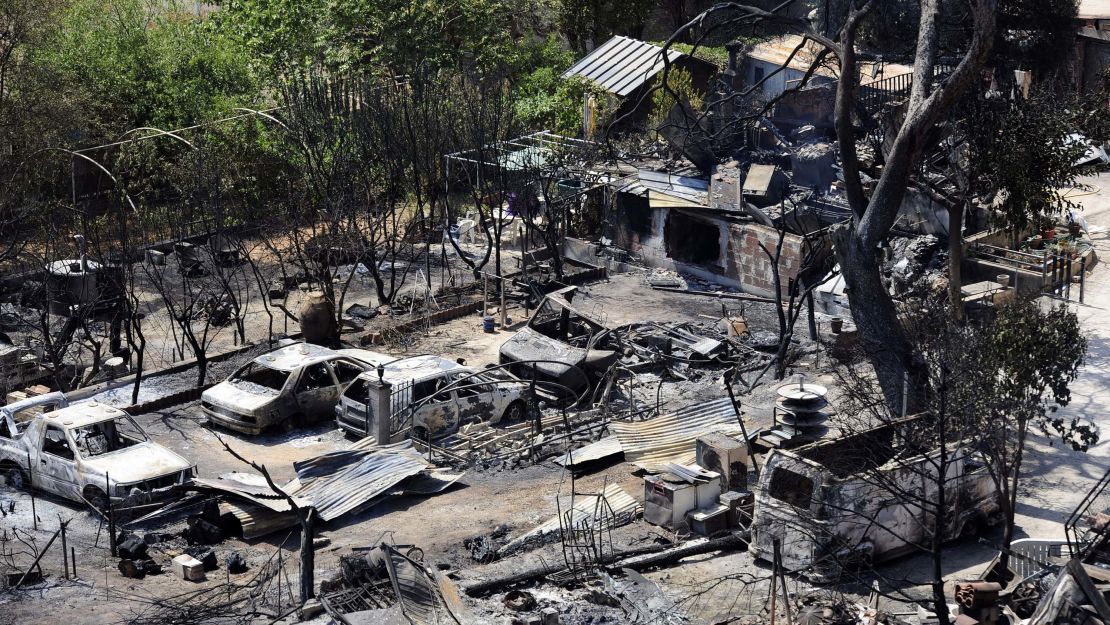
621,65
249,486
342,481
335,483
625,508
608,446
651,445
417,593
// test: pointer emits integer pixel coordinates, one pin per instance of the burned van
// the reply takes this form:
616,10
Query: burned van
859,499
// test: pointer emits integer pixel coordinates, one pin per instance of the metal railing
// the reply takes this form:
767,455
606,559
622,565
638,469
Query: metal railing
1082,519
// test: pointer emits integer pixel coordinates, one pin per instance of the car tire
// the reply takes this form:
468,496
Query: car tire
96,498
15,477
296,421
514,411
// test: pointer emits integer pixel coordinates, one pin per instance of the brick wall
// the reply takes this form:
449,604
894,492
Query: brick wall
751,266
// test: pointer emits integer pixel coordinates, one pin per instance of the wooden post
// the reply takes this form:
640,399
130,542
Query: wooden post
1082,276
37,558
740,419
308,554
65,552
73,560
504,317
774,579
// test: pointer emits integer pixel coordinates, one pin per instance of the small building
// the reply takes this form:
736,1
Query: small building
627,67
1092,45
763,60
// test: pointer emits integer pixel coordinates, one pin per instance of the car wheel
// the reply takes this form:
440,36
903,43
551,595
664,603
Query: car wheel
14,477
96,498
295,421
514,412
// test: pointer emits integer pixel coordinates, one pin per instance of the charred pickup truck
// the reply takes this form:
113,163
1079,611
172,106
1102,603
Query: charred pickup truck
561,345
87,453
291,385
844,502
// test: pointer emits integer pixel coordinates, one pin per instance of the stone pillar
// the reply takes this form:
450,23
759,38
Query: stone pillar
378,409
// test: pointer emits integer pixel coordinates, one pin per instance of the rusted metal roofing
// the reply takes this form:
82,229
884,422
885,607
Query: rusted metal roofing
621,65
583,515
652,444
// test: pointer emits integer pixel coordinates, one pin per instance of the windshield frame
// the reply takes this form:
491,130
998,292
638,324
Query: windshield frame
237,377
82,451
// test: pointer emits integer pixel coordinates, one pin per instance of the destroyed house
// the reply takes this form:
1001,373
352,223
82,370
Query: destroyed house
706,228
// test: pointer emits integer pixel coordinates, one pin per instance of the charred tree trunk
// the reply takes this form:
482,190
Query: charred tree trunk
884,340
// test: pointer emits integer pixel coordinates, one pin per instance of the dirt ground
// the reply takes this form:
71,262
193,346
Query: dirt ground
709,588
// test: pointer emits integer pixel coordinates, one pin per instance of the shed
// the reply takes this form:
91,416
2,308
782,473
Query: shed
625,67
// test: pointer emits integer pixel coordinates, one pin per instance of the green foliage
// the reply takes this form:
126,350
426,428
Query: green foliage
598,20
143,64
394,35
715,55
542,98
1032,356
1021,148
681,82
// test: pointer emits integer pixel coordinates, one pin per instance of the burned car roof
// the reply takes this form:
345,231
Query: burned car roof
415,368
82,414
293,357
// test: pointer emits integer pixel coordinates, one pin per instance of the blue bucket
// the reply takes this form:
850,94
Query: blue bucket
488,323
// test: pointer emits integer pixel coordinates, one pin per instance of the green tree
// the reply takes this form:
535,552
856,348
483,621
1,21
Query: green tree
145,63
1021,149
592,22
1028,357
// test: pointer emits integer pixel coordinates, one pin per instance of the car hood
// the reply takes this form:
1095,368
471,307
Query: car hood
527,344
137,463
244,398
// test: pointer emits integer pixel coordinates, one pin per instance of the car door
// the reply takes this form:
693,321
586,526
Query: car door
438,414
316,391
57,467
474,398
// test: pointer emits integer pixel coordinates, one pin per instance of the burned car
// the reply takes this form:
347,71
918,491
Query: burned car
843,501
292,386
432,396
88,453
561,345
